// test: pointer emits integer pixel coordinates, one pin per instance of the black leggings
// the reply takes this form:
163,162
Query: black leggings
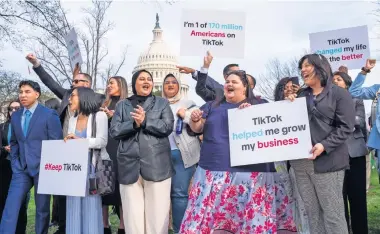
355,196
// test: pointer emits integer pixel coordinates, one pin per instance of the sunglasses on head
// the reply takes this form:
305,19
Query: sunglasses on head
13,108
240,73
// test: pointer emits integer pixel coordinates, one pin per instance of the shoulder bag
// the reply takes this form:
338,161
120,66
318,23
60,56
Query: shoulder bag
104,174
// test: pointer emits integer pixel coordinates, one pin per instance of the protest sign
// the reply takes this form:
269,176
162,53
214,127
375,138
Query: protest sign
347,46
64,167
223,33
73,48
272,132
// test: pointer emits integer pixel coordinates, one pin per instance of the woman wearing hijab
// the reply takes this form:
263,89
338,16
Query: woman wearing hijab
142,124
185,147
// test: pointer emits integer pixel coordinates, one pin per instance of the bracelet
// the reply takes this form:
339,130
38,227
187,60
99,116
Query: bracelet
366,70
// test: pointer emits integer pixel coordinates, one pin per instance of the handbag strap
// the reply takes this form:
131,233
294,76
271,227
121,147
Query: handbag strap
93,135
318,114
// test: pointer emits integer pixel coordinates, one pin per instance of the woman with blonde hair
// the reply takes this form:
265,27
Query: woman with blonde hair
116,91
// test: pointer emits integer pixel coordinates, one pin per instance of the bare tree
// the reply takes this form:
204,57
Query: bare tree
50,22
275,71
8,90
94,50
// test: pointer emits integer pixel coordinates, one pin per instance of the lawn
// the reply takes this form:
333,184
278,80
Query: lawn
373,204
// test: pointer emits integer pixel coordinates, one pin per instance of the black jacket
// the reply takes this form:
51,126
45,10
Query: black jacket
357,141
208,93
59,91
4,139
209,90
144,151
334,104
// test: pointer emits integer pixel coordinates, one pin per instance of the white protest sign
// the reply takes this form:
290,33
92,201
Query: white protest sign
272,132
64,167
221,32
73,48
347,46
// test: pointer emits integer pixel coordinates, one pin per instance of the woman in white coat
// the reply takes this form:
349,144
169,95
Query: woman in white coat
84,214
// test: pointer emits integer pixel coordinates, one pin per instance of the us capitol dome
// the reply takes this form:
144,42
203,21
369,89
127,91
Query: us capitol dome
158,60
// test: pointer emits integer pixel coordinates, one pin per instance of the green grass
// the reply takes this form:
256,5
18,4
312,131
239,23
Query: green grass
373,204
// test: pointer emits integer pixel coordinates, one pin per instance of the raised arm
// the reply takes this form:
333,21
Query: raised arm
356,89
205,93
53,85
161,127
101,137
210,82
121,124
344,119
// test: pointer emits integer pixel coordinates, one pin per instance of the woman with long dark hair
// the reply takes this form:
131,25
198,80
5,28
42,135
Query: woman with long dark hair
331,118
116,91
244,199
5,167
84,214
142,124
354,189
285,87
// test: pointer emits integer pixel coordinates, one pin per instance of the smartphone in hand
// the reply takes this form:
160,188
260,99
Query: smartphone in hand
295,80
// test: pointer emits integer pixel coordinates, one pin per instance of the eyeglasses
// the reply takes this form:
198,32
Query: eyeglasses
13,108
77,81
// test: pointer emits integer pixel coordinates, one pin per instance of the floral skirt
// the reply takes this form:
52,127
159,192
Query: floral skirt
238,202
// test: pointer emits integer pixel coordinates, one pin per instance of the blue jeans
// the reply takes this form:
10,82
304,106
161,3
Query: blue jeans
179,189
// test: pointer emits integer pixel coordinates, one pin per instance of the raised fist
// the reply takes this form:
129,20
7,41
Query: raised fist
32,59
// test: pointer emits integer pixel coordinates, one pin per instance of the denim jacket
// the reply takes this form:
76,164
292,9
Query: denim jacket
368,93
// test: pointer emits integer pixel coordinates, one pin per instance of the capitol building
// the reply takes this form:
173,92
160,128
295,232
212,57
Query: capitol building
159,61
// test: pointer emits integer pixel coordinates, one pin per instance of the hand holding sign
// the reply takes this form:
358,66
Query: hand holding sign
76,70
244,105
207,60
317,150
291,97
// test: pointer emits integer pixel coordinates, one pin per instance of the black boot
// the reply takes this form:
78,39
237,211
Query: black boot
107,230
120,231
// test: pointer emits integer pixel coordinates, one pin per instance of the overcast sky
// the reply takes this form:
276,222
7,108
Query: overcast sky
274,29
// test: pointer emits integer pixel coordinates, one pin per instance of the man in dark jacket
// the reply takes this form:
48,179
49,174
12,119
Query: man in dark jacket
79,80
209,89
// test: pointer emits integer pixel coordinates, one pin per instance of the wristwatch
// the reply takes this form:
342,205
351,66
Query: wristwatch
366,70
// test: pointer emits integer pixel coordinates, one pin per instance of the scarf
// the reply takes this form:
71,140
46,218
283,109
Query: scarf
176,97
138,100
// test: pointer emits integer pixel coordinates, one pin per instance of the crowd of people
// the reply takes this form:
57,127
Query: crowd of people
172,158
